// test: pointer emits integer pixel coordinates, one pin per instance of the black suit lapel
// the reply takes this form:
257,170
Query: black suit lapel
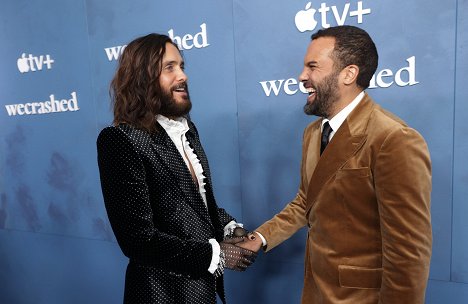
195,144
169,154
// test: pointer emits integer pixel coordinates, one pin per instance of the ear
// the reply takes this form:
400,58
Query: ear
351,73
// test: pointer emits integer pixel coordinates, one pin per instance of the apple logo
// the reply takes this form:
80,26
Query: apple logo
305,20
22,64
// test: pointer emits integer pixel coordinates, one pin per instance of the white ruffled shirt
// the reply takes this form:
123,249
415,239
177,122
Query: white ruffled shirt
176,129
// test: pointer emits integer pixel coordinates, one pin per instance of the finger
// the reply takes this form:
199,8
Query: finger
241,266
246,262
247,252
238,266
234,240
250,258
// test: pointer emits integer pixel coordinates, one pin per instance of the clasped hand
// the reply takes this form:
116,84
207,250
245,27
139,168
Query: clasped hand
240,250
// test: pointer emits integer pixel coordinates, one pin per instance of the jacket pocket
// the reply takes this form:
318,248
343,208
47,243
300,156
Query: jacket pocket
353,172
360,277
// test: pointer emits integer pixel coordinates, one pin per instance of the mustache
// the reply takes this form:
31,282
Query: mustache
182,85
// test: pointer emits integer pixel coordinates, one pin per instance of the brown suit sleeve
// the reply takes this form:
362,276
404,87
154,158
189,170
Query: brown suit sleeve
402,177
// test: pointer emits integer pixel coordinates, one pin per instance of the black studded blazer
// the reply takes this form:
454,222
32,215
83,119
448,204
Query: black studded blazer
158,216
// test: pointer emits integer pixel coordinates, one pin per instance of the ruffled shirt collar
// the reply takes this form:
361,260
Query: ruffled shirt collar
176,129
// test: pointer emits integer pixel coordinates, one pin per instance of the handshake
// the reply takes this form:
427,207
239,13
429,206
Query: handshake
239,250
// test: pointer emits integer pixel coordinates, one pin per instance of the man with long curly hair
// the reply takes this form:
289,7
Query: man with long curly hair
157,187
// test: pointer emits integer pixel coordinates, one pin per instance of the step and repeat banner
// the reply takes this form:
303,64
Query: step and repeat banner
243,59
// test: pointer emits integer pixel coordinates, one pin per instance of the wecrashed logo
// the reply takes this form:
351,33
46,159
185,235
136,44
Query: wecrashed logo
31,63
405,76
306,20
188,41
184,42
52,105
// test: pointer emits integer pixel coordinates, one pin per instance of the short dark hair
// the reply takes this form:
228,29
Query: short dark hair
135,91
353,45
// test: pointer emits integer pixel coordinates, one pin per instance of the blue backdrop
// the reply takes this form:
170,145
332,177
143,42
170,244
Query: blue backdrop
243,59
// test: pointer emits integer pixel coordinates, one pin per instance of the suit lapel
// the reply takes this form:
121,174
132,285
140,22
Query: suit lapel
198,149
313,150
192,137
171,157
345,143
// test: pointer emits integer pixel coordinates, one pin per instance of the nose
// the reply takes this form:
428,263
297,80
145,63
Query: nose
303,77
181,76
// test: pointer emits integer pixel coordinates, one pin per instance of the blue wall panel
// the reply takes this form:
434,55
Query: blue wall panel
441,292
460,177
54,234
48,159
270,281
44,269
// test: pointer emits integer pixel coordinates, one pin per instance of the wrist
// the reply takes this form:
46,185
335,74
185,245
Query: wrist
260,237
221,265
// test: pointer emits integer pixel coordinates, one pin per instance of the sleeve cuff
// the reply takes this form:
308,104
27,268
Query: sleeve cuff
262,238
215,257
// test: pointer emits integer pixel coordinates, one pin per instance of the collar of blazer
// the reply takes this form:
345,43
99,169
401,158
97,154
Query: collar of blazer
346,142
168,153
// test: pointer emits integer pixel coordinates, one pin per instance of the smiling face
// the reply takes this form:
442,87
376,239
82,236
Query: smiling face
175,98
320,78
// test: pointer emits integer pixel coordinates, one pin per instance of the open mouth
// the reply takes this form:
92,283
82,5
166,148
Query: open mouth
311,91
181,88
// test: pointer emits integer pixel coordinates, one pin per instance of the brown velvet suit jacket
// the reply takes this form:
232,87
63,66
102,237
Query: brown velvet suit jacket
366,202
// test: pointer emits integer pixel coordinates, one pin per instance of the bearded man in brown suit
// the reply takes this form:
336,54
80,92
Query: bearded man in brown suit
366,197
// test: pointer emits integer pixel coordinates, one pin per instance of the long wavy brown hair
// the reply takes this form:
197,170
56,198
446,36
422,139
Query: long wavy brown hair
135,91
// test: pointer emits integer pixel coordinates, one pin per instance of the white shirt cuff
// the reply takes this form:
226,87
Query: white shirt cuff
215,257
262,238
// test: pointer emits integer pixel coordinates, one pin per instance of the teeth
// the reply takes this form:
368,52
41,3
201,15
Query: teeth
310,90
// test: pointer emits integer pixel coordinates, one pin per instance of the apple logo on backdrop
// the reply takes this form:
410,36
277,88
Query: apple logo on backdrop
22,64
305,19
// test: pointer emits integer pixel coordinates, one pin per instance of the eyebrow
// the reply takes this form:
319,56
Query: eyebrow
173,62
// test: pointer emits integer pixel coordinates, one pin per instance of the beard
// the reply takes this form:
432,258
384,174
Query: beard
326,95
170,107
